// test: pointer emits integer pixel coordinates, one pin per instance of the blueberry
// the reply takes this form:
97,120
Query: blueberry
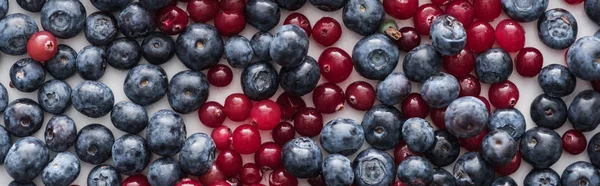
504,181
14,183
328,5
342,136
261,45
94,143
422,62
60,133
580,173
129,117
415,170
382,125
63,64
238,51
375,56
582,111
164,171
592,10
540,147
3,98
123,53
91,62
158,48
55,96
23,117
493,66
5,144
393,89
582,56
524,10
337,170
26,159
300,80
302,158
63,18
593,150
445,149
104,175
363,16
418,134
62,170
15,30
448,35
29,5
146,84
259,80
557,28
510,120
465,117
130,154
441,177
498,147
197,154
556,80
597,34
92,98
289,46
136,21
542,177
472,169
101,28
290,5
263,15
154,4
27,75
373,167
4,8
165,133
439,90
549,112
199,47
110,5
188,90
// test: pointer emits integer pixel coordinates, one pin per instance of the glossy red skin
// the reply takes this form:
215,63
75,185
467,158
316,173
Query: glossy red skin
220,183
401,9
213,175
529,62
360,95
503,95
574,142
237,107
414,106
308,122
136,180
219,75
487,10
317,181
424,17
42,46
473,143
232,5
437,117
283,132
510,35
462,10
266,114
328,98
510,167
290,105
486,103
246,139
335,64
574,2
229,162
280,177
402,152
230,23
469,86
188,182
409,40
440,2
202,10
257,184
211,114
300,20
250,174
398,183
480,36
268,156
596,85
222,137
171,20
327,31
460,65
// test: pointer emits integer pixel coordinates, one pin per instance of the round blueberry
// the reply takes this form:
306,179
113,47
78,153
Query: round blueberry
382,125
164,171
188,90
154,4
328,5
363,16
439,90
26,159
290,5
342,136
582,111
197,154
557,28
63,18
415,170
5,144
123,53
104,175
445,149
158,48
261,45
493,66
393,89
136,21
165,133
540,147
30,5
498,147
92,98
63,64
442,177
55,96
337,170
62,170
556,80
593,150
94,143
580,173
129,117
238,51
263,15
302,79
549,112
418,134
3,98
509,120
448,35
91,62
259,80
60,133
465,117
101,28
27,75
504,181
289,46
543,177
472,169
302,158
15,183
373,167
524,10
145,84
15,30
4,7
130,154
422,62
199,47
23,117
582,56
375,56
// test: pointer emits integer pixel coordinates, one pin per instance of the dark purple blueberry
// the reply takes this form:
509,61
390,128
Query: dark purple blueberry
259,80
542,177
493,66
101,28
197,154
509,120
465,117
549,112
373,167
158,48
26,159
524,10
580,173
27,75
445,149
302,79
130,154
393,89
498,147
557,28
422,62
62,170
418,134
302,158
263,15
375,56
165,133
94,143
441,177
557,81
472,169
92,98
582,111
328,5
91,62
15,30
238,51
63,18
104,175
382,125
129,117
135,21
582,56
188,90
448,35
342,136
363,16
60,133
199,47
540,147
289,46
164,171
63,64
145,84
261,45
55,96
23,117
123,53
337,170
415,170
31,5
439,90
290,5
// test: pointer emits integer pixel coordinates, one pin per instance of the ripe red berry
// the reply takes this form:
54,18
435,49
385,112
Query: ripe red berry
574,2
246,139
402,152
219,75
409,40
283,132
440,2
414,106
188,182
486,103
529,62
511,167
328,98
487,10
220,183
266,114
480,36
250,174
202,10
171,20
503,95
42,46
327,31
437,117
462,10
280,177
401,9
237,107
300,20
289,105
268,156
473,143
232,5
510,35
211,114
460,65
360,95
308,122
596,85
222,137
424,17
469,86
574,142
335,64
317,181
212,176
229,162
229,23
136,180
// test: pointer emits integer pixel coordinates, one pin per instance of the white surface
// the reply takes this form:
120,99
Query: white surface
529,88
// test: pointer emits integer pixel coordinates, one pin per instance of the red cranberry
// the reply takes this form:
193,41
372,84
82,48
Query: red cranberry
42,46
473,143
328,98
300,20
222,137
462,10
510,167
317,181
510,35
280,177
266,114
401,9
327,31
232,5
219,75
487,10
596,85
409,39
250,174
503,95
230,23
486,103
480,36
283,133
529,62
402,152
174,3
574,2
414,106
211,114
229,162
136,180
188,182
424,17
289,105
460,65
574,142
171,20
237,107
440,2
220,183
437,117
268,156
360,95
398,183
246,139
257,184
335,64
308,122
213,175
203,10
469,86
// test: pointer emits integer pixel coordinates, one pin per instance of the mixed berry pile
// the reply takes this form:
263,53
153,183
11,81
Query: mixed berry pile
402,147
